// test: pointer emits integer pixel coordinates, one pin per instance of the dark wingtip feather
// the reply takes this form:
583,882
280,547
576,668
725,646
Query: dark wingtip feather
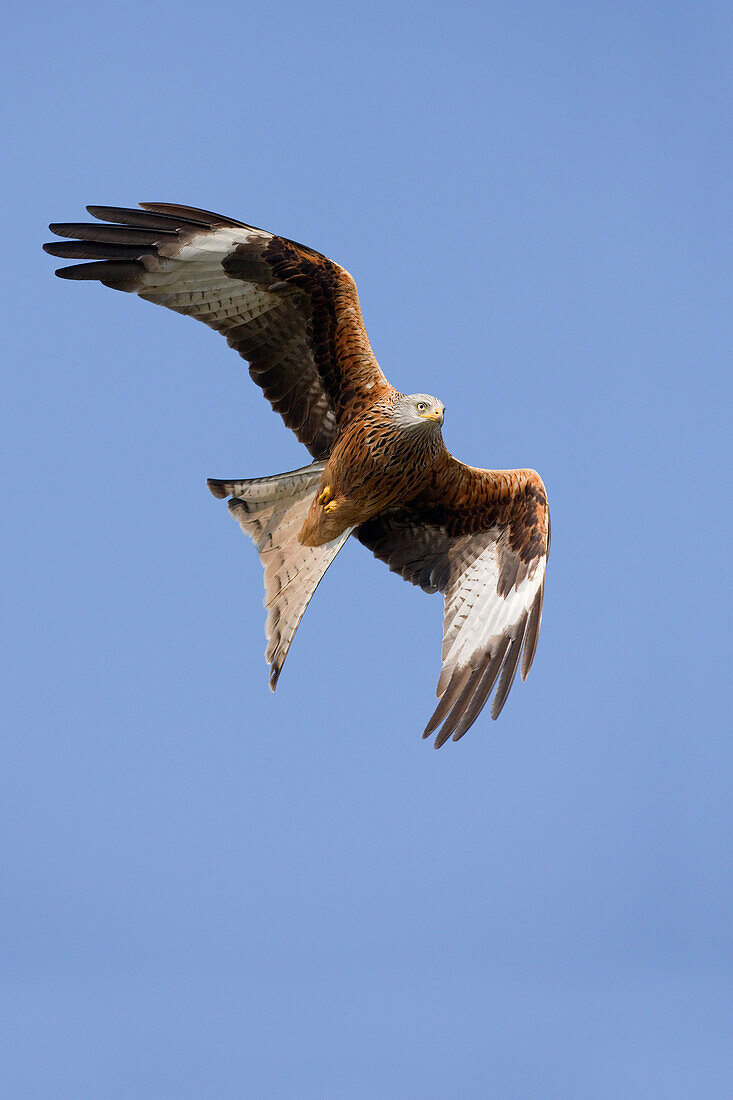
112,234
111,272
70,272
455,702
103,212
96,250
191,214
142,219
533,633
218,488
440,738
482,690
508,672
453,690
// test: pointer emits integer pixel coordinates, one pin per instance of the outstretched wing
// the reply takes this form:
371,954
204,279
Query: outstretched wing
481,538
291,312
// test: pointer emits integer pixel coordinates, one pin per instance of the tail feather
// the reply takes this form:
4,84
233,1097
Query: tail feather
271,510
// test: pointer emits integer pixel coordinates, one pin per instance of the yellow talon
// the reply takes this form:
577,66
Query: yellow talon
330,507
325,496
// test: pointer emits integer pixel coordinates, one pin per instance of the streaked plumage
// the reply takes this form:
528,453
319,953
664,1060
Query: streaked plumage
381,469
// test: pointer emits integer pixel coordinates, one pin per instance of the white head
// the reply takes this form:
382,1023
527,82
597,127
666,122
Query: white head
419,410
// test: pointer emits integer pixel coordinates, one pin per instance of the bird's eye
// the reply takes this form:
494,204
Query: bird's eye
421,406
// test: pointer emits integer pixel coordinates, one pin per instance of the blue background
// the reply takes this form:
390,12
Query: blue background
208,891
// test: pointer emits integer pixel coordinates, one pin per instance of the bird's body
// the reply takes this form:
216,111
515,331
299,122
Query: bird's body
376,463
381,470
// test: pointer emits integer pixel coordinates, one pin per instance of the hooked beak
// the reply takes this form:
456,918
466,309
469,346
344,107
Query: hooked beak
435,415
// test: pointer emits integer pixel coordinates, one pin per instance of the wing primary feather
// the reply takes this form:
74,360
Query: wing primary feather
533,632
479,688
114,234
456,709
453,689
91,250
509,670
145,219
193,214
111,272
482,693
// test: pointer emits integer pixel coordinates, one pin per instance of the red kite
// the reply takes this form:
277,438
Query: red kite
381,469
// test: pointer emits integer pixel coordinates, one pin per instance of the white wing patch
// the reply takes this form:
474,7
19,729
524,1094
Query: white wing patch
190,279
484,632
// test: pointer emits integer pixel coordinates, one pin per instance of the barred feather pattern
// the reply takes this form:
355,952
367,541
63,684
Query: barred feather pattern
271,511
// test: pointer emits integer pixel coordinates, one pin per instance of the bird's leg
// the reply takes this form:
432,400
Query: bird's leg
325,497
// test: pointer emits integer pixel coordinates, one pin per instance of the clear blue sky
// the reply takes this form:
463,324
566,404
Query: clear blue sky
208,891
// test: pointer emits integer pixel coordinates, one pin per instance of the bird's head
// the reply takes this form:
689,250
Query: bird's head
419,410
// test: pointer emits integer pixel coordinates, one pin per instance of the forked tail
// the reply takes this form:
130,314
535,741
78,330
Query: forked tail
272,510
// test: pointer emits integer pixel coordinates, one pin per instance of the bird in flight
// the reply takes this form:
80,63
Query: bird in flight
380,471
